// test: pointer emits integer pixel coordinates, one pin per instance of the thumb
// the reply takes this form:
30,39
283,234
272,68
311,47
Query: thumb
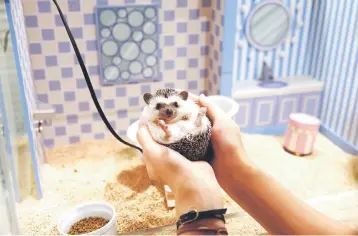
145,139
214,111
150,170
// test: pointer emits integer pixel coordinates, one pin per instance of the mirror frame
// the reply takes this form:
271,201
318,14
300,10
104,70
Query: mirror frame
125,77
252,14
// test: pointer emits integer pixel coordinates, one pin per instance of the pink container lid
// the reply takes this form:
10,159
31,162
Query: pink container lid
304,120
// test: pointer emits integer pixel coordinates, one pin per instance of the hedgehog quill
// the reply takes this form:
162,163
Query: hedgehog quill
178,122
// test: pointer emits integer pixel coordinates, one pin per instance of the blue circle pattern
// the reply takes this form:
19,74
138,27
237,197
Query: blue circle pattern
118,33
110,52
135,63
127,73
138,33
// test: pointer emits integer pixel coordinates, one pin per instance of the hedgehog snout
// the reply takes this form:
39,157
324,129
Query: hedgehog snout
169,112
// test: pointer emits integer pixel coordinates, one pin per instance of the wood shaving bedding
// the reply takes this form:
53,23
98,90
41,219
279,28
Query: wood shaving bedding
107,170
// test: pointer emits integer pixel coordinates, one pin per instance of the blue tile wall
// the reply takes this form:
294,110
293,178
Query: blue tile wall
190,35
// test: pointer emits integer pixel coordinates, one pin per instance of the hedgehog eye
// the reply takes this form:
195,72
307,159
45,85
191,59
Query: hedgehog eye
158,106
176,104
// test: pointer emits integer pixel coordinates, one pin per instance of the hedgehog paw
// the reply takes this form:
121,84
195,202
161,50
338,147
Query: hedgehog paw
200,116
165,128
163,125
186,117
203,111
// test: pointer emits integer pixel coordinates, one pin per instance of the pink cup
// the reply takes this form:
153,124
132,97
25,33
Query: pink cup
301,134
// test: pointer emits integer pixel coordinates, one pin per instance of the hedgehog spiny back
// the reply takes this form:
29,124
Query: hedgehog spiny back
165,92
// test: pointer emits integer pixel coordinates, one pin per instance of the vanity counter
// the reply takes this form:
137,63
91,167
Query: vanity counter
266,110
295,84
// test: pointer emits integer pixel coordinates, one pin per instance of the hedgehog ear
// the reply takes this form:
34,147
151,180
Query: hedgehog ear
147,97
184,95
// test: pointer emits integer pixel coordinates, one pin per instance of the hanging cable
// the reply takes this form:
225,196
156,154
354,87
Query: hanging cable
88,81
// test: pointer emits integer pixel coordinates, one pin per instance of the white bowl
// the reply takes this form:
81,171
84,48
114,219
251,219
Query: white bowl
132,133
228,105
90,209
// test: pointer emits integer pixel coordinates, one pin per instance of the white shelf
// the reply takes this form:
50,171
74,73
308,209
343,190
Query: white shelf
297,84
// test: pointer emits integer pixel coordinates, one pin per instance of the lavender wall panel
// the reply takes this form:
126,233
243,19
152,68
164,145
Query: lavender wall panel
270,114
286,105
310,103
243,117
265,111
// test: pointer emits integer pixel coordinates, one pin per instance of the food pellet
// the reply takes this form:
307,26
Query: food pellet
87,225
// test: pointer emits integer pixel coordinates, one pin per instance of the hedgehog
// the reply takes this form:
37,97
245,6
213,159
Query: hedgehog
178,122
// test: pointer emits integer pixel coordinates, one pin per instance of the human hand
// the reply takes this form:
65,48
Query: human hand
193,183
230,154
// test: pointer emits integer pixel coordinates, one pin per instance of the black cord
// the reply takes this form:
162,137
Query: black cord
88,81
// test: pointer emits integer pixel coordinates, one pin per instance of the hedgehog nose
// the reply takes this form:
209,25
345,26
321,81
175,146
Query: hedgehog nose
169,112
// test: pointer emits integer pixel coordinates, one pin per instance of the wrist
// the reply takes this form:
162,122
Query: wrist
195,227
198,197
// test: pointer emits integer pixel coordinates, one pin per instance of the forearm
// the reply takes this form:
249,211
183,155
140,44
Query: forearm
201,198
275,208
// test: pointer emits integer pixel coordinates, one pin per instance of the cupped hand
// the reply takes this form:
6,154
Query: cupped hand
193,183
229,153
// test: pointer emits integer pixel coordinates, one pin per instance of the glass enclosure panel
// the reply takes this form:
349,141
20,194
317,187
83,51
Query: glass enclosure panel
4,211
14,152
17,137
7,209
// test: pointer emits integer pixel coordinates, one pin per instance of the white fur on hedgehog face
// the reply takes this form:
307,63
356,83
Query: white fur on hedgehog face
179,127
152,113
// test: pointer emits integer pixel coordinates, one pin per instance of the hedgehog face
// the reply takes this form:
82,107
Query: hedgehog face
167,112
165,106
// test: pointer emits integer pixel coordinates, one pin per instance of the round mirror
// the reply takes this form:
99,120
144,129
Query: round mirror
122,13
121,32
135,67
268,25
125,75
111,73
105,33
148,46
117,61
129,51
149,28
148,72
137,36
107,18
151,60
135,18
109,48
149,12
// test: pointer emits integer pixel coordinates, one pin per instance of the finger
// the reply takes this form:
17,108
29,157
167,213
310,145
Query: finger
193,97
145,139
213,111
149,169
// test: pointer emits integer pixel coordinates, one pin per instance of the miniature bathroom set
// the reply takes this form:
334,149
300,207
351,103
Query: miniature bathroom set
291,85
